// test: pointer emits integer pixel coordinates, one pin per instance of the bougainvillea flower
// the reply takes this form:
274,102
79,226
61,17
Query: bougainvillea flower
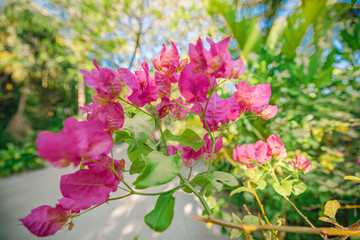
142,87
168,62
163,84
244,154
231,69
107,83
253,97
267,112
217,111
77,140
208,62
73,206
236,109
190,155
276,146
89,186
192,86
111,114
179,112
301,163
262,152
217,61
208,145
45,220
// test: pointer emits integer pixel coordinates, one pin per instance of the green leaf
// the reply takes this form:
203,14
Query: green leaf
331,208
137,166
283,189
142,127
260,184
235,233
137,150
124,136
240,190
159,219
251,219
159,169
298,187
187,139
201,180
219,179
352,178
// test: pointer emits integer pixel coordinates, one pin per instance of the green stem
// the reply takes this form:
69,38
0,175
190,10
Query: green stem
120,98
198,195
162,134
159,193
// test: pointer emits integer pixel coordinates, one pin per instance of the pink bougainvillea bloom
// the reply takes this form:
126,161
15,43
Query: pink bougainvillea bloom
276,146
262,152
253,97
236,109
45,220
301,163
73,206
244,154
190,155
179,112
77,140
89,186
163,83
267,112
208,145
358,162
107,83
217,112
193,87
142,87
208,62
111,114
168,62
217,61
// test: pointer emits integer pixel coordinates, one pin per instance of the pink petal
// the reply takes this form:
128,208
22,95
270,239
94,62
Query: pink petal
193,87
45,220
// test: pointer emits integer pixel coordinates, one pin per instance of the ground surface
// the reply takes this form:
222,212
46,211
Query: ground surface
120,220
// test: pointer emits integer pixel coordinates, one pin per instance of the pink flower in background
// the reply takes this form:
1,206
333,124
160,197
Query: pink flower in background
244,154
111,114
262,152
358,162
301,163
77,140
276,146
168,62
267,112
45,220
143,89
208,145
107,83
190,155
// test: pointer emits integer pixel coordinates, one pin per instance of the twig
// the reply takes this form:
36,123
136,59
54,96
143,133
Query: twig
292,229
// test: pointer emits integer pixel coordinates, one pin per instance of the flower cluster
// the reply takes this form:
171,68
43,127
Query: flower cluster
88,143
262,152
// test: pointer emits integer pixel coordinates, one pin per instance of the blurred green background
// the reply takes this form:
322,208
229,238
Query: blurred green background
308,50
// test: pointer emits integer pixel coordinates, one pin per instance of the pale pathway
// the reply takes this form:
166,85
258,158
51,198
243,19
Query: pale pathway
119,220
